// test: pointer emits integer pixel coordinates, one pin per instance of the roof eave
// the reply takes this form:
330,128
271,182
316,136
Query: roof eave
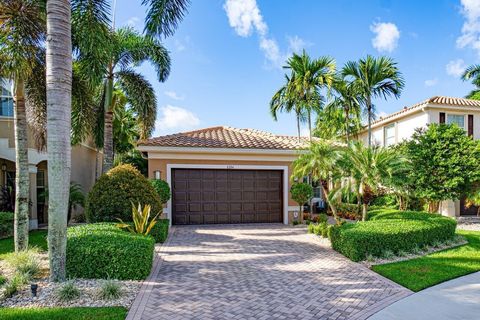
146,148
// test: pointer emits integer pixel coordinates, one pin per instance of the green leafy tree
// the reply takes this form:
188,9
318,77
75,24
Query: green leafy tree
472,73
320,163
371,169
373,78
301,193
445,162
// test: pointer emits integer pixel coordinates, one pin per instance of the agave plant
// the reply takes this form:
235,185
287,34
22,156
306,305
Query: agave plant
142,224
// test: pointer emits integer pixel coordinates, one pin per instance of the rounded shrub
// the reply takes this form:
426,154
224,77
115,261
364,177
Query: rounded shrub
113,194
162,188
103,251
392,230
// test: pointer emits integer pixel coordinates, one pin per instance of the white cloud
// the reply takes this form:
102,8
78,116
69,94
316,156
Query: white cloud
455,68
175,119
173,95
386,36
132,22
245,18
471,27
431,82
182,44
297,44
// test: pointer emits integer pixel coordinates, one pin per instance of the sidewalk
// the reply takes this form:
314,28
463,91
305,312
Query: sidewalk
455,299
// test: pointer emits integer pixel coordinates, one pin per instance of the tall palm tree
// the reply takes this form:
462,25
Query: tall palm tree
126,49
22,32
473,73
59,91
319,162
374,78
371,168
284,100
310,76
346,101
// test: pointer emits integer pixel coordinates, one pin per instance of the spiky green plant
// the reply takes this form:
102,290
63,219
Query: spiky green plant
142,224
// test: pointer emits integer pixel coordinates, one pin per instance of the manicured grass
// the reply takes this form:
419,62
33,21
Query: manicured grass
424,272
36,238
111,313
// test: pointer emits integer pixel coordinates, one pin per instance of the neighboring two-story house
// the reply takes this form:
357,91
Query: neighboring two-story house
86,161
401,125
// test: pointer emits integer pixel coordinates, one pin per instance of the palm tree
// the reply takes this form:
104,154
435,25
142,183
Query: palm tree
59,95
22,32
473,73
373,78
345,107
319,162
126,49
285,101
310,76
371,168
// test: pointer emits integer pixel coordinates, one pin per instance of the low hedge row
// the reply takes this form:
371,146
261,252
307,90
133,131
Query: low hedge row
160,231
6,224
391,230
320,229
103,251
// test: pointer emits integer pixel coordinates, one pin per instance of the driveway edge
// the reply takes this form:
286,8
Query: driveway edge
140,302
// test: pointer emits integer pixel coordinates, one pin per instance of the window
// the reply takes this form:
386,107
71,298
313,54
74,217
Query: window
458,119
389,135
6,99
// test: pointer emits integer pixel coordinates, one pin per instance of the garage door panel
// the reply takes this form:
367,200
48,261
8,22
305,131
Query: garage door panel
203,196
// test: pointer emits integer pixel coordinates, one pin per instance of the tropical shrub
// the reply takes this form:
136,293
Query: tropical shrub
349,211
162,188
102,250
320,229
6,224
392,230
385,200
112,195
142,224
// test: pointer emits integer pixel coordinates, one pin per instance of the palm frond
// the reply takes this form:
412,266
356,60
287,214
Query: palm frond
163,16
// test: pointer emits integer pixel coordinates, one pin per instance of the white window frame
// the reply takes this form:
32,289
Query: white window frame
4,84
391,125
458,114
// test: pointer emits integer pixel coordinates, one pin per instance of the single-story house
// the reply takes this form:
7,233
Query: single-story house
86,161
225,175
400,125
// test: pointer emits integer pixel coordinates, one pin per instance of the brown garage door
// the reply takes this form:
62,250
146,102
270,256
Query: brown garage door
202,196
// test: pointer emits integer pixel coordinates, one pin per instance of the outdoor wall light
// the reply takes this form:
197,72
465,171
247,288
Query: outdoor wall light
4,166
295,215
158,174
34,288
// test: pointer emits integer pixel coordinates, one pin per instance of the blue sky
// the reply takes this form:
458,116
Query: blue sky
227,54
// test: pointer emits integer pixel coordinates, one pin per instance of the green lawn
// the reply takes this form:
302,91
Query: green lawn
111,313
37,238
424,272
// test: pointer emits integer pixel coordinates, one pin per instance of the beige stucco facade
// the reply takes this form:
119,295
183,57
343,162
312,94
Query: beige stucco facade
86,165
163,160
405,122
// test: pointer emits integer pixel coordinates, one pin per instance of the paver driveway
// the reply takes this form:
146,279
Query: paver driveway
258,272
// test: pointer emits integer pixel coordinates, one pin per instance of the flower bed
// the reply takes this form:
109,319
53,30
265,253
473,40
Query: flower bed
106,252
391,230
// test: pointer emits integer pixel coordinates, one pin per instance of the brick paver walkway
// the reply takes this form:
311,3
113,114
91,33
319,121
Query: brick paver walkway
258,272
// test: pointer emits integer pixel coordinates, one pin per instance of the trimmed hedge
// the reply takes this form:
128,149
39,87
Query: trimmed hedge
113,194
162,188
103,251
391,230
160,231
6,224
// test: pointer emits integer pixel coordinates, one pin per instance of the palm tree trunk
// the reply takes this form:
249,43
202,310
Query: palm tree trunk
364,211
332,206
347,118
310,125
59,90
107,129
22,179
369,111
298,126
